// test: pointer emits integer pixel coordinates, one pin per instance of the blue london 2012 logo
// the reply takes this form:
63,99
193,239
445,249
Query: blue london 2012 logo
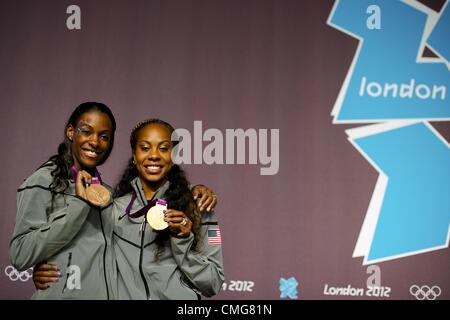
288,288
390,83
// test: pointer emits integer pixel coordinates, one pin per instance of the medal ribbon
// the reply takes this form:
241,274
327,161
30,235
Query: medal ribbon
143,210
95,180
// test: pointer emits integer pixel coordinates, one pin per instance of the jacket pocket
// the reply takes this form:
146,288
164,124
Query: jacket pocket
188,287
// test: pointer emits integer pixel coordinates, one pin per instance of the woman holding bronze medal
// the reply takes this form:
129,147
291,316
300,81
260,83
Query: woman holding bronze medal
61,213
55,220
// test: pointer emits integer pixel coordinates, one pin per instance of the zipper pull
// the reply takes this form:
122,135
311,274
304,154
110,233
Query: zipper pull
141,229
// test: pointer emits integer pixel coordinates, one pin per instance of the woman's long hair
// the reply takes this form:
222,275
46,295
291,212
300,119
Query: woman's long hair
178,195
64,159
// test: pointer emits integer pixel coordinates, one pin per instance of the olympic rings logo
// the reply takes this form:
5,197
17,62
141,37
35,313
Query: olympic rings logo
425,292
15,275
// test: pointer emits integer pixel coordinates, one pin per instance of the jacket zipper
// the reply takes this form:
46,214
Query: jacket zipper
147,291
141,253
104,254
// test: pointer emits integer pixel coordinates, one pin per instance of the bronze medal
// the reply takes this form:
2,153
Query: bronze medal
97,194
156,214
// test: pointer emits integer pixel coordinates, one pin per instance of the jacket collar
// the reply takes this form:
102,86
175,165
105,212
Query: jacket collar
139,189
138,205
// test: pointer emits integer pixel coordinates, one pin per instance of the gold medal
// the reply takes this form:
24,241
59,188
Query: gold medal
156,214
97,194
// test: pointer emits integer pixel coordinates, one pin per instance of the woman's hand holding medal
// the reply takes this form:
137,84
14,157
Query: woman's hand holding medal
178,222
90,189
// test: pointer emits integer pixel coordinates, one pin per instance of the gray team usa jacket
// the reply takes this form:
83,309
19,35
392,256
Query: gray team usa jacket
73,235
180,273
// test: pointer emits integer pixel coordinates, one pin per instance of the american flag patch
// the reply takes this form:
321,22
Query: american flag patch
214,237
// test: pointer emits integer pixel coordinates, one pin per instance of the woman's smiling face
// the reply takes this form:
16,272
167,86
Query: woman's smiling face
153,154
91,139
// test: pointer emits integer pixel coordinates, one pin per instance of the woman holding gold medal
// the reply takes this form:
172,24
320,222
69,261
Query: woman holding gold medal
61,213
158,230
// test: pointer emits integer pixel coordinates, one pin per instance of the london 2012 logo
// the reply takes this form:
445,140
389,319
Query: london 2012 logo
398,91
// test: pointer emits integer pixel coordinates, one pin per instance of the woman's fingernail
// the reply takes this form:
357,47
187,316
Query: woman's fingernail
59,274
